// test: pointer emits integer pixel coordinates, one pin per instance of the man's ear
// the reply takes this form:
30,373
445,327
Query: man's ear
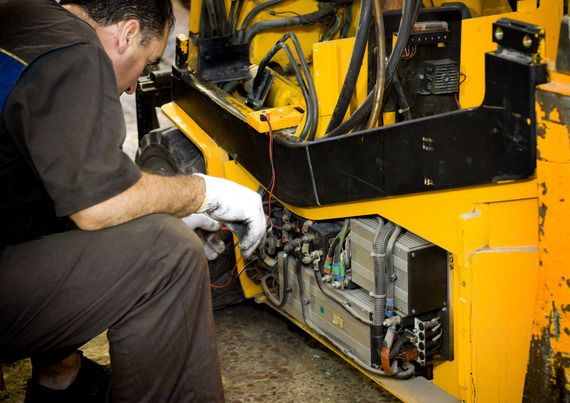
129,34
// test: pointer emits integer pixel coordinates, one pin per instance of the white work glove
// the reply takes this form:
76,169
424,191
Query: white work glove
238,208
203,221
213,243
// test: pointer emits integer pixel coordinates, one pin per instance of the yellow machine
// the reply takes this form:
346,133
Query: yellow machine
414,160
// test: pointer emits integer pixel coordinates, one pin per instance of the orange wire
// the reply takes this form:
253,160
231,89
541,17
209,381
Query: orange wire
231,277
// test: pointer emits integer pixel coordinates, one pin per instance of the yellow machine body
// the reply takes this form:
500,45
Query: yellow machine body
508,275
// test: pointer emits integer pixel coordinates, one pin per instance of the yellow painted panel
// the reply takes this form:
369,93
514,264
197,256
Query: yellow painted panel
513,224
331,60
481,297
326,75
214,156
504,293
432,215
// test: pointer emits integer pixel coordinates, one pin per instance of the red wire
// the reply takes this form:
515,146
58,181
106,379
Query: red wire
231,277
272,166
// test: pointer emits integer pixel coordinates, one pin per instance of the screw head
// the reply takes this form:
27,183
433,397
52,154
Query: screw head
527,41
499,33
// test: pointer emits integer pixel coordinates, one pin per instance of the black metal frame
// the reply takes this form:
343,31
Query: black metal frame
153,91
476,146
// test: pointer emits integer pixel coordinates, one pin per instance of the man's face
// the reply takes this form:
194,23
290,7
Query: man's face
122,43
129,65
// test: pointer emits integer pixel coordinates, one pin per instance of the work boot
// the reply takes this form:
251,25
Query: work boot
91,385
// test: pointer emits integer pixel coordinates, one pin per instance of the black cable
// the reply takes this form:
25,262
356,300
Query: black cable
354,66
331,29
232,12
347,21
310,84
397,347
236,19
256,10
402,101
308,19
409,16
304,90
308,90
213,19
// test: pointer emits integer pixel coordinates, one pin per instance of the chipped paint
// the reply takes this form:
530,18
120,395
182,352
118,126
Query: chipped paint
548,369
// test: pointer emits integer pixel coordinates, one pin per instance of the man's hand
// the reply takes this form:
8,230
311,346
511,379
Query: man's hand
202,221
238,208
213,243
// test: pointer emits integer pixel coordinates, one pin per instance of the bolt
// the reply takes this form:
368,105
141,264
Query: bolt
527,41
499,33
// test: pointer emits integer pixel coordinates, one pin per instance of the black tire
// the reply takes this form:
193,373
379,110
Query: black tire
169,152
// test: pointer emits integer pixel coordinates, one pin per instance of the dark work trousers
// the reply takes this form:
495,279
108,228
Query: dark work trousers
145,281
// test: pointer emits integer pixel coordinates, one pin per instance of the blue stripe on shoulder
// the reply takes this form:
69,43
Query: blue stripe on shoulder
10,70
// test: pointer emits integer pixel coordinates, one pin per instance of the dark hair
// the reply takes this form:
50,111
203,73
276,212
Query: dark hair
153,15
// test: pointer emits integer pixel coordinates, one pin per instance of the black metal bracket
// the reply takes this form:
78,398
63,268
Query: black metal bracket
153,91
220,60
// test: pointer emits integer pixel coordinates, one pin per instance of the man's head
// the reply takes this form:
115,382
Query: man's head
133,32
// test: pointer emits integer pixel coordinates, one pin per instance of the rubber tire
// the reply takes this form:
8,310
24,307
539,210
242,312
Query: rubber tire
169,152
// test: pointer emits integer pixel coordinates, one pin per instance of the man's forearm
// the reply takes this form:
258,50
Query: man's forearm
176,195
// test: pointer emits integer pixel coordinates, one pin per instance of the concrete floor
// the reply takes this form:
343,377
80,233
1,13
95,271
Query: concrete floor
264,358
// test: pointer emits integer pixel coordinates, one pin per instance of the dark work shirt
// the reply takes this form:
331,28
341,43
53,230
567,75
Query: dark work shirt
62,125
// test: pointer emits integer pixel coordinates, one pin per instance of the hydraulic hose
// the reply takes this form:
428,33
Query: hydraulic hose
282,287
410,12
213,19
308,19
310,84
235,17
380,285
309,91
354,66
389,260
254,11
380,63
231,14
